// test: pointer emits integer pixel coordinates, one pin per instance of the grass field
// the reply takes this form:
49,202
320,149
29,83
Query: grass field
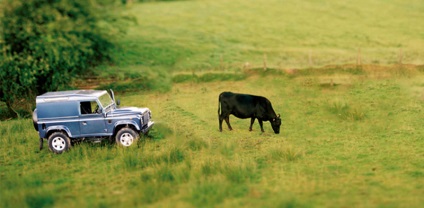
201,35
352,134
355,143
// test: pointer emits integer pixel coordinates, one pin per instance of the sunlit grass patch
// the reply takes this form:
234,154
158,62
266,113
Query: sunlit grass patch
166,174
211,193
210,168
285,153
196,144
133,161
152,192
345,111
240,172
208,77
175,155
208,194
228,149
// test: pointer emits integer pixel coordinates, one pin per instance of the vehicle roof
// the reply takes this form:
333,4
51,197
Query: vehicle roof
69,95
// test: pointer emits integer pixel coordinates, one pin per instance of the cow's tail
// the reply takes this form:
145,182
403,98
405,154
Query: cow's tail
219,107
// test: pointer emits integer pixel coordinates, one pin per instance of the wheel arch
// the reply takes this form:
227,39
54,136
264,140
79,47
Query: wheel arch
129,124
124,125
63,129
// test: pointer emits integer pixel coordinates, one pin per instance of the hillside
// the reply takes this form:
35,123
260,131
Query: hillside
199,35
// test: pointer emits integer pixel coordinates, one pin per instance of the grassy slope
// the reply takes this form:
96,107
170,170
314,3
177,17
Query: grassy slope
207,34
356,144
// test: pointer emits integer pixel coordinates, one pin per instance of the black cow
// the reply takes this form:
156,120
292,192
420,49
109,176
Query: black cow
247,106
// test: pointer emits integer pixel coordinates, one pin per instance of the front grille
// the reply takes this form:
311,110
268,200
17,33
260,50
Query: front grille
145,118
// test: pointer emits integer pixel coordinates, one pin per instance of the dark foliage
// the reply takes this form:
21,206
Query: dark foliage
45,43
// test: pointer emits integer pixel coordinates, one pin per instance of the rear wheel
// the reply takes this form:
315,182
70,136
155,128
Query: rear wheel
126,137
59,142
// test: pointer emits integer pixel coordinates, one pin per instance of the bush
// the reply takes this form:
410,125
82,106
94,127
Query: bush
47,43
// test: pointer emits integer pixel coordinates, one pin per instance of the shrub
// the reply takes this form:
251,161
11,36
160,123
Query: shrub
46,43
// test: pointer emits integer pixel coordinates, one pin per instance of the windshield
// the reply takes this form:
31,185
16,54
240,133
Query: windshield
105,100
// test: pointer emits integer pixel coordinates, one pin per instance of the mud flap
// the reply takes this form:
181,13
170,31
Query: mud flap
41,143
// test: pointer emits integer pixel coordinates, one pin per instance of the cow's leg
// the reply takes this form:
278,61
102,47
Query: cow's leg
252,120
261,124
227,119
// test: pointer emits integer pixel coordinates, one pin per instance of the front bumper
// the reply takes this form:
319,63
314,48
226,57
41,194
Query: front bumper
147,127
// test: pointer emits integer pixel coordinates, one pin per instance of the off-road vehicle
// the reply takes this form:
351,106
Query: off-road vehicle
65,117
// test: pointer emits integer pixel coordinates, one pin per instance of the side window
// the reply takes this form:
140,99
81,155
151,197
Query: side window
88,107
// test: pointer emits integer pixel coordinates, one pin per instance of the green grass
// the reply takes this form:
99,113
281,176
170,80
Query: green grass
358,143
199,35
352,134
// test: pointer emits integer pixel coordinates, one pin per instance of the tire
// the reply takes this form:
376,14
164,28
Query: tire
126,137
59,142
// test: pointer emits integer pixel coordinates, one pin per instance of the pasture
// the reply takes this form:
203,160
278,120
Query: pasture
357,142
349,88
203,35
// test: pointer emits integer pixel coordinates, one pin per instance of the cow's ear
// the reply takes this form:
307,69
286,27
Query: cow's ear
278,115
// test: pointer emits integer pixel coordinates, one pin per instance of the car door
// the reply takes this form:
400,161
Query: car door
92,121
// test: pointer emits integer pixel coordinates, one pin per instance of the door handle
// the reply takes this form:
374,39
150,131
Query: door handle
84,123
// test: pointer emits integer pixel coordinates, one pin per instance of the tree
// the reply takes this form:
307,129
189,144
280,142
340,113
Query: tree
45,43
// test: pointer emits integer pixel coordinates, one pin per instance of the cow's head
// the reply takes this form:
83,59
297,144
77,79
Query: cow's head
276,123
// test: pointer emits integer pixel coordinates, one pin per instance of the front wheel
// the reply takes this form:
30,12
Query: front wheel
59,142
126,137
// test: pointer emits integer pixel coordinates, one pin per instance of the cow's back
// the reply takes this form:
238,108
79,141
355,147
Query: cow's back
240,105
226,96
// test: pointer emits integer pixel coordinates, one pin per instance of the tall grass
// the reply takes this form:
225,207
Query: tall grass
345,111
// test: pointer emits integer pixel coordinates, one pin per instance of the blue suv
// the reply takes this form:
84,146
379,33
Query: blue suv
66,117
